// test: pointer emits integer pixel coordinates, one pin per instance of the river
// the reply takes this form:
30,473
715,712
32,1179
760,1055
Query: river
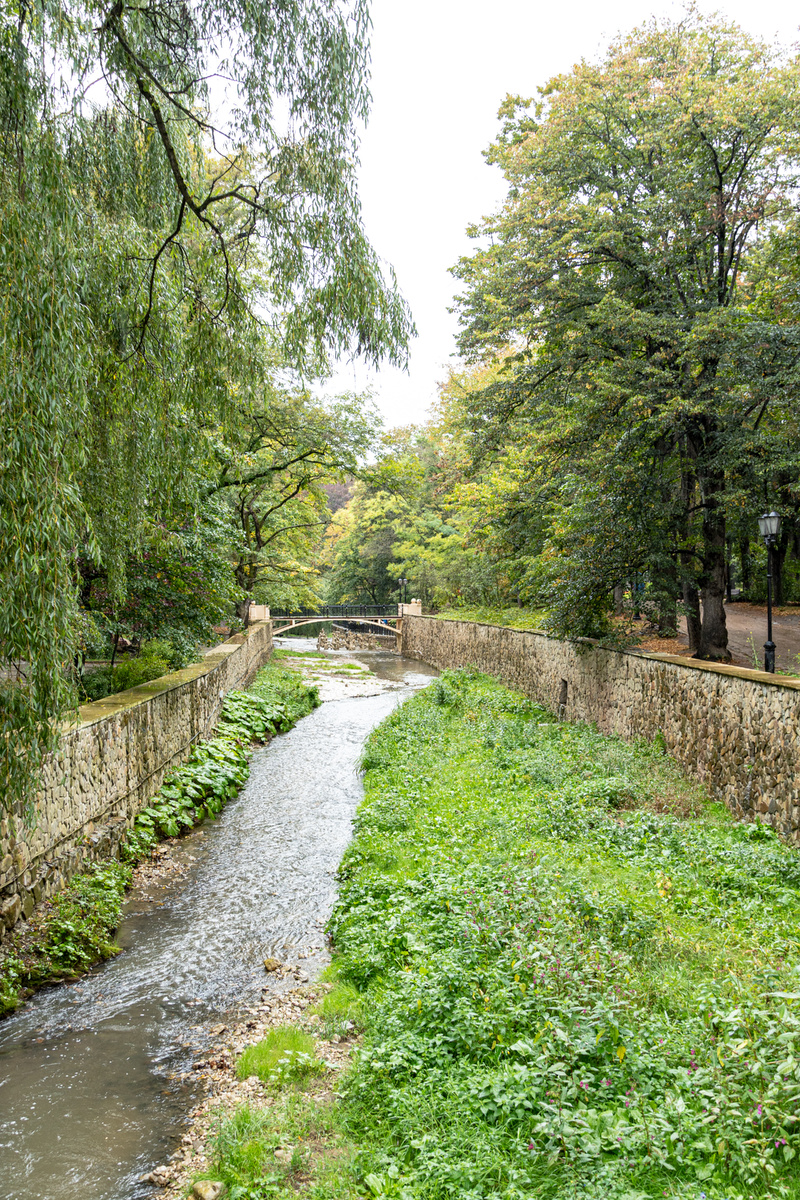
95,1077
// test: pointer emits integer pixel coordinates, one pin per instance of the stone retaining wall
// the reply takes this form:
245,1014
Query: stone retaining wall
111,761
737,730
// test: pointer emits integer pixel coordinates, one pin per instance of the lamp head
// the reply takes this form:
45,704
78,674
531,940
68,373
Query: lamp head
769,526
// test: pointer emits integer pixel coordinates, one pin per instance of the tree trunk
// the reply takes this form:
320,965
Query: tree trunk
744,558
691,596
728,570
778,559
619,599
691,602
714,630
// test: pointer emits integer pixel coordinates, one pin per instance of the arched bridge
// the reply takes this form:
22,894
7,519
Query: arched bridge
378,617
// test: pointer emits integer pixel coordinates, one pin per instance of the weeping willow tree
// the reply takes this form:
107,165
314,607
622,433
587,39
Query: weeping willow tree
176,189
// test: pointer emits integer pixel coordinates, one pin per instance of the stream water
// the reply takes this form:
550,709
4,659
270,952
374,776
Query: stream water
95,1076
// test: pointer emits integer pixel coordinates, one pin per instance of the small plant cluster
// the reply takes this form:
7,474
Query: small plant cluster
75,930
216,769
259,1152
579,978
286,1055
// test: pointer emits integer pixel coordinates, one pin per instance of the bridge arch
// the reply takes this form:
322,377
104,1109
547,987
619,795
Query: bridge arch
383,626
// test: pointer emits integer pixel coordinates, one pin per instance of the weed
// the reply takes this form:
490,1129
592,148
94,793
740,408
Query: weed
74,931
244,1146
286,1055
340,1009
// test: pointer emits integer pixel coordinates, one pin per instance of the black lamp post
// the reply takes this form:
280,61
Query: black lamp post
402,581
770,528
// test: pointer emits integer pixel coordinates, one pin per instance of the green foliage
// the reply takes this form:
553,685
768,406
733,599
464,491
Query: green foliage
75,931
405,520
154,661
340,1009
286,1055
514,618
579,978
633,404
244,1152
151,290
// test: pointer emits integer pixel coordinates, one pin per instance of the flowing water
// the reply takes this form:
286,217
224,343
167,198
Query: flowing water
95,1076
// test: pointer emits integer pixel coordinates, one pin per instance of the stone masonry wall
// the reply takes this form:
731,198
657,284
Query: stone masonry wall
735,729
111,761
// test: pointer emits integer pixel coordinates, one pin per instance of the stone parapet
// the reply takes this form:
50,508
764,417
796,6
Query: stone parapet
735,729
112,759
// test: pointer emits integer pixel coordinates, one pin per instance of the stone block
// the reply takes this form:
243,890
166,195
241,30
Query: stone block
10,911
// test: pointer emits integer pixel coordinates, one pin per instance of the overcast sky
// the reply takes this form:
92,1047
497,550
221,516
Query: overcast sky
440,69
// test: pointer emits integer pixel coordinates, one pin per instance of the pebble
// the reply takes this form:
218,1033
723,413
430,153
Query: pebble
206,1189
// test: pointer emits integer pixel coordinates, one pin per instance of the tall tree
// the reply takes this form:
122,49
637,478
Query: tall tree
615,283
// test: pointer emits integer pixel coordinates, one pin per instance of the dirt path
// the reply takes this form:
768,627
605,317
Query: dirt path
747,627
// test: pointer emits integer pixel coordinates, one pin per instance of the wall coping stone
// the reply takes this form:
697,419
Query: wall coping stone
691,664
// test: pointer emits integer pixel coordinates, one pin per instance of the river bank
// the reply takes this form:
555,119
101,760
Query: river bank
67,935
99,1074
577,978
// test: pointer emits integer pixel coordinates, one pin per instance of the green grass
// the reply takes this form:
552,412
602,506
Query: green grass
340,1008
514,617
286,1055
578,977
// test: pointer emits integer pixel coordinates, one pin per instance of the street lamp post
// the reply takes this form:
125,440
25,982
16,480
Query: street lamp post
402,581
769,526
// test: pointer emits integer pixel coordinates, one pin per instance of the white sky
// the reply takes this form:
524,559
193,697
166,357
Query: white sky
440,69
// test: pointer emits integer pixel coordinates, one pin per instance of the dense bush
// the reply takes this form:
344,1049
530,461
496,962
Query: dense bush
155,660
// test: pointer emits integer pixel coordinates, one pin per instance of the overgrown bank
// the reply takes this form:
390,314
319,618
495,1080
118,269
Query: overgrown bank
76,928
577,979
580,978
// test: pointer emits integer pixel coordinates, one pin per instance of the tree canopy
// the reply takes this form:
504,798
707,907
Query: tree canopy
647,356
180,225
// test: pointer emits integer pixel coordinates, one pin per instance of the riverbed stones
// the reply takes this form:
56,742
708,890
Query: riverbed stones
272,964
